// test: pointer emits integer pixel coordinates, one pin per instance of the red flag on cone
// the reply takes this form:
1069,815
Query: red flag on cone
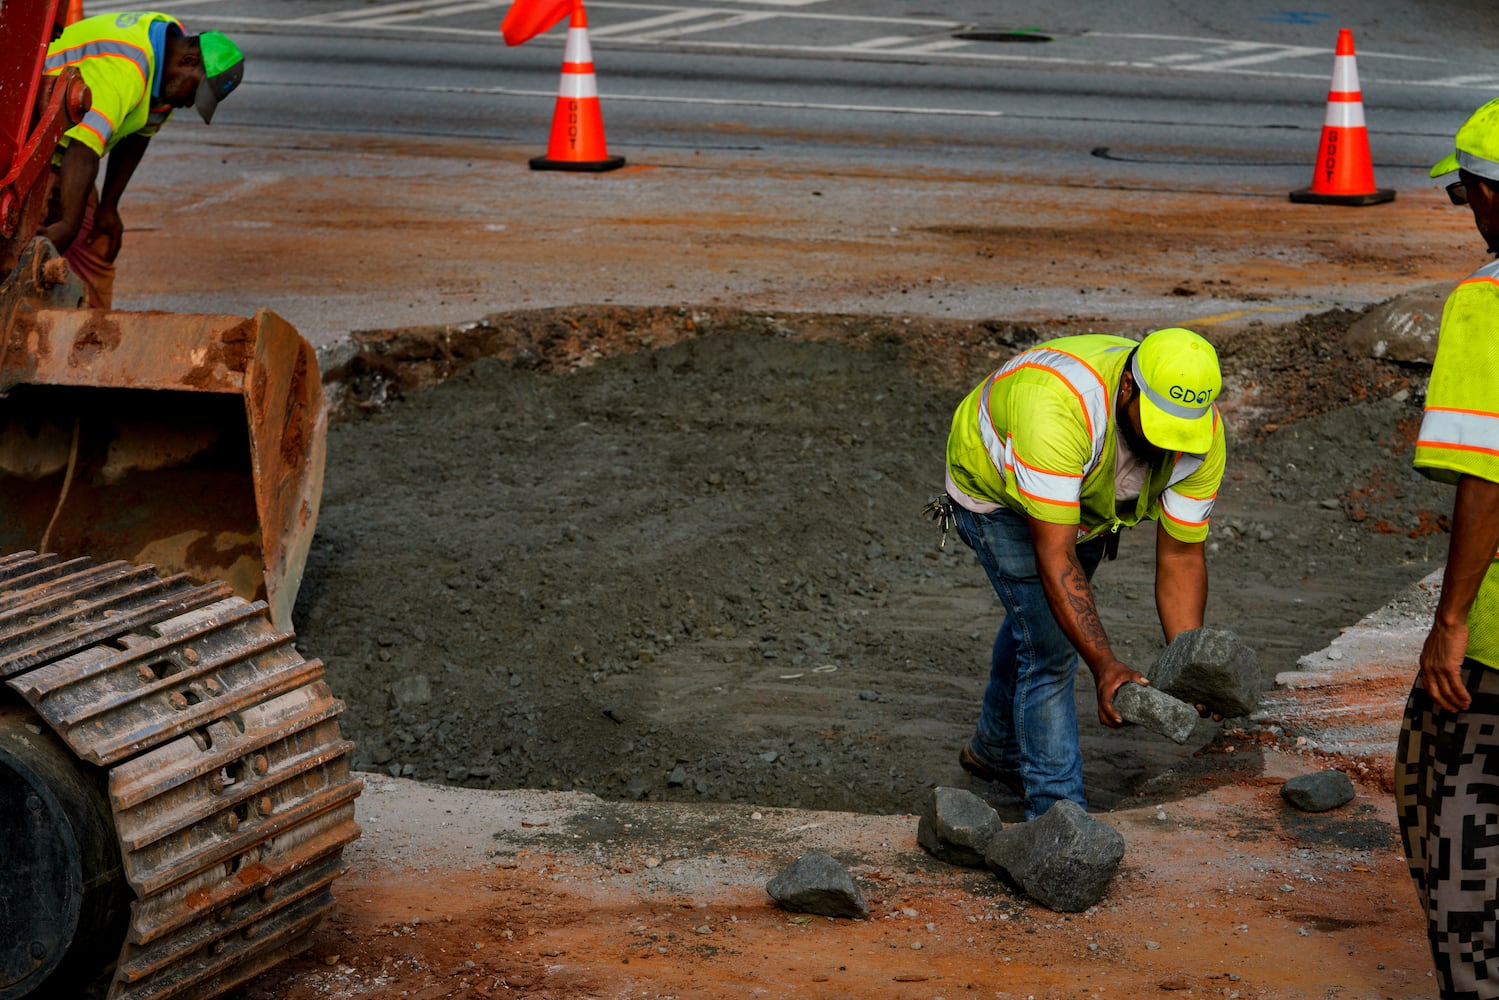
577,141
1344,174
528,18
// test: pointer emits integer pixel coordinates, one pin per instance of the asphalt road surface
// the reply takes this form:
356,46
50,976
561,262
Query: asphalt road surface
1155,93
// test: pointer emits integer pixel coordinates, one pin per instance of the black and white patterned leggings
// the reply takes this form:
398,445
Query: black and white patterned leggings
1447,797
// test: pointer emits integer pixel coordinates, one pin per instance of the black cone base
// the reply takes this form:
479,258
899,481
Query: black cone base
591,166
1306,196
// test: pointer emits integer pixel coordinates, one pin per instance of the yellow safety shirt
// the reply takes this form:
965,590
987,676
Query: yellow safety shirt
1460,430
1038,437
120,57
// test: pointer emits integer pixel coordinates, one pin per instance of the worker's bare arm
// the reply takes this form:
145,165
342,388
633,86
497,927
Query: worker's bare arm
1470,551
80,166
118,170
1181,583
1070,597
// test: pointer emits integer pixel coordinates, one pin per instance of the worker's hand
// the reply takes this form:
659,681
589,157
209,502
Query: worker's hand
1441,666
1108,679
59,234
108,233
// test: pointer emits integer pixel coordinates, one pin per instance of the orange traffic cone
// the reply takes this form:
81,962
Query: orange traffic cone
75,11
1344,174
577,125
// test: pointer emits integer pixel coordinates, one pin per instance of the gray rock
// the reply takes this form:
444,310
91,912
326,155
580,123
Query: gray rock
410,690
1156,710
816,883
1063,859
956,825
1318,792
1210,666
1401,329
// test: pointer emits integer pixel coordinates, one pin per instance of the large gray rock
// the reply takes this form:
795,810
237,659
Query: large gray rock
816,883
1210,666
1318,792
1401,329
1064,859
956,825
1149,706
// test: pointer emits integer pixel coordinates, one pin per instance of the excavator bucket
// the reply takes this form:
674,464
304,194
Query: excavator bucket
194,443
175,792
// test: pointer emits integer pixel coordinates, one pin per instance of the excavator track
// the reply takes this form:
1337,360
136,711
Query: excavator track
219,751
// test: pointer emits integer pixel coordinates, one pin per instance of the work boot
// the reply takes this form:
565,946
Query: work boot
980,768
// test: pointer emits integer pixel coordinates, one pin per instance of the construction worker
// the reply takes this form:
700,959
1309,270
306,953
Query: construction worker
138,67
1447,759
1047,459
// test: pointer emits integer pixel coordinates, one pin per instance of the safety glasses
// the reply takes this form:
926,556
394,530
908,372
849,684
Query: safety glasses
1458,192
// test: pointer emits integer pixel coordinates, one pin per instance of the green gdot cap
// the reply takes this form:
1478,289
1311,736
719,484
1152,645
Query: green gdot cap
223,68
1177,372
1477,143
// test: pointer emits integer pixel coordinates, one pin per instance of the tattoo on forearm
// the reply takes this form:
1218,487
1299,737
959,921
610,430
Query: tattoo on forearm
1080,599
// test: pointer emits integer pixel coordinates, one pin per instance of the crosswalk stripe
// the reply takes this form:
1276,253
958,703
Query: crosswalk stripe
375,15
938,46
629,27
732,21
1260,58
883,42
426,12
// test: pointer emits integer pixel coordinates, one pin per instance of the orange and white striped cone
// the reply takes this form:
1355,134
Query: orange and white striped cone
577,125
1344,174
75,11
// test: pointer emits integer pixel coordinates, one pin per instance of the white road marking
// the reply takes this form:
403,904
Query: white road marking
1487,82
1279,52
374,15
627,27
1208,55
551,93
730,21
883,42
424,12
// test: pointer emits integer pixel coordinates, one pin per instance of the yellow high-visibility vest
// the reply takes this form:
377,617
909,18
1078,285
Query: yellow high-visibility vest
1460,430
120,57
1038,436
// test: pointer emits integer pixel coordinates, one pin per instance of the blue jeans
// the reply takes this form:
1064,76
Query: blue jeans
1028,724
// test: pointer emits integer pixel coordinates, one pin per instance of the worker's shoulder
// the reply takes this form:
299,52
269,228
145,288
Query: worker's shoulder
1470,311
124,25
1086,343
1485,279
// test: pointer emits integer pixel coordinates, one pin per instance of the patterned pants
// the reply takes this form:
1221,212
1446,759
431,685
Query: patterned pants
1447,795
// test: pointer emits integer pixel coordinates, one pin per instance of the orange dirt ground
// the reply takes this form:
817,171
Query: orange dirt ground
1223,893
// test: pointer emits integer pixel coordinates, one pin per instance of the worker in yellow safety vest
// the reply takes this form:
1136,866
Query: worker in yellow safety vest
1447,758
1047,459
138,67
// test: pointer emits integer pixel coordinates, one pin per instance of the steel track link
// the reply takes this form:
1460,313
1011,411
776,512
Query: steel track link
228,779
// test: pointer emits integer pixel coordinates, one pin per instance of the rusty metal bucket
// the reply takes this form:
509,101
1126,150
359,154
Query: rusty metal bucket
192,442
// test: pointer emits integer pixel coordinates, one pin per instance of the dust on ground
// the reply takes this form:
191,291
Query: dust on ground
848,279
677,556
556,896
618,551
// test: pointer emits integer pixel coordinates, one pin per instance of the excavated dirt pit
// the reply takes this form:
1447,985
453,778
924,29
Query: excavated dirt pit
677,555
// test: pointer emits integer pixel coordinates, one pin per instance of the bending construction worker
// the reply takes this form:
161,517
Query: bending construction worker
1447,759
138,67
1047,459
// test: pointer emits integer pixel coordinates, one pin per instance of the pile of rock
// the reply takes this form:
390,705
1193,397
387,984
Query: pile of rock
1066,858
1203,670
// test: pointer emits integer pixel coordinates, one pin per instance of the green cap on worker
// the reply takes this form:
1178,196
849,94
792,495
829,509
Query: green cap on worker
1177,373
223,67
1477,143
